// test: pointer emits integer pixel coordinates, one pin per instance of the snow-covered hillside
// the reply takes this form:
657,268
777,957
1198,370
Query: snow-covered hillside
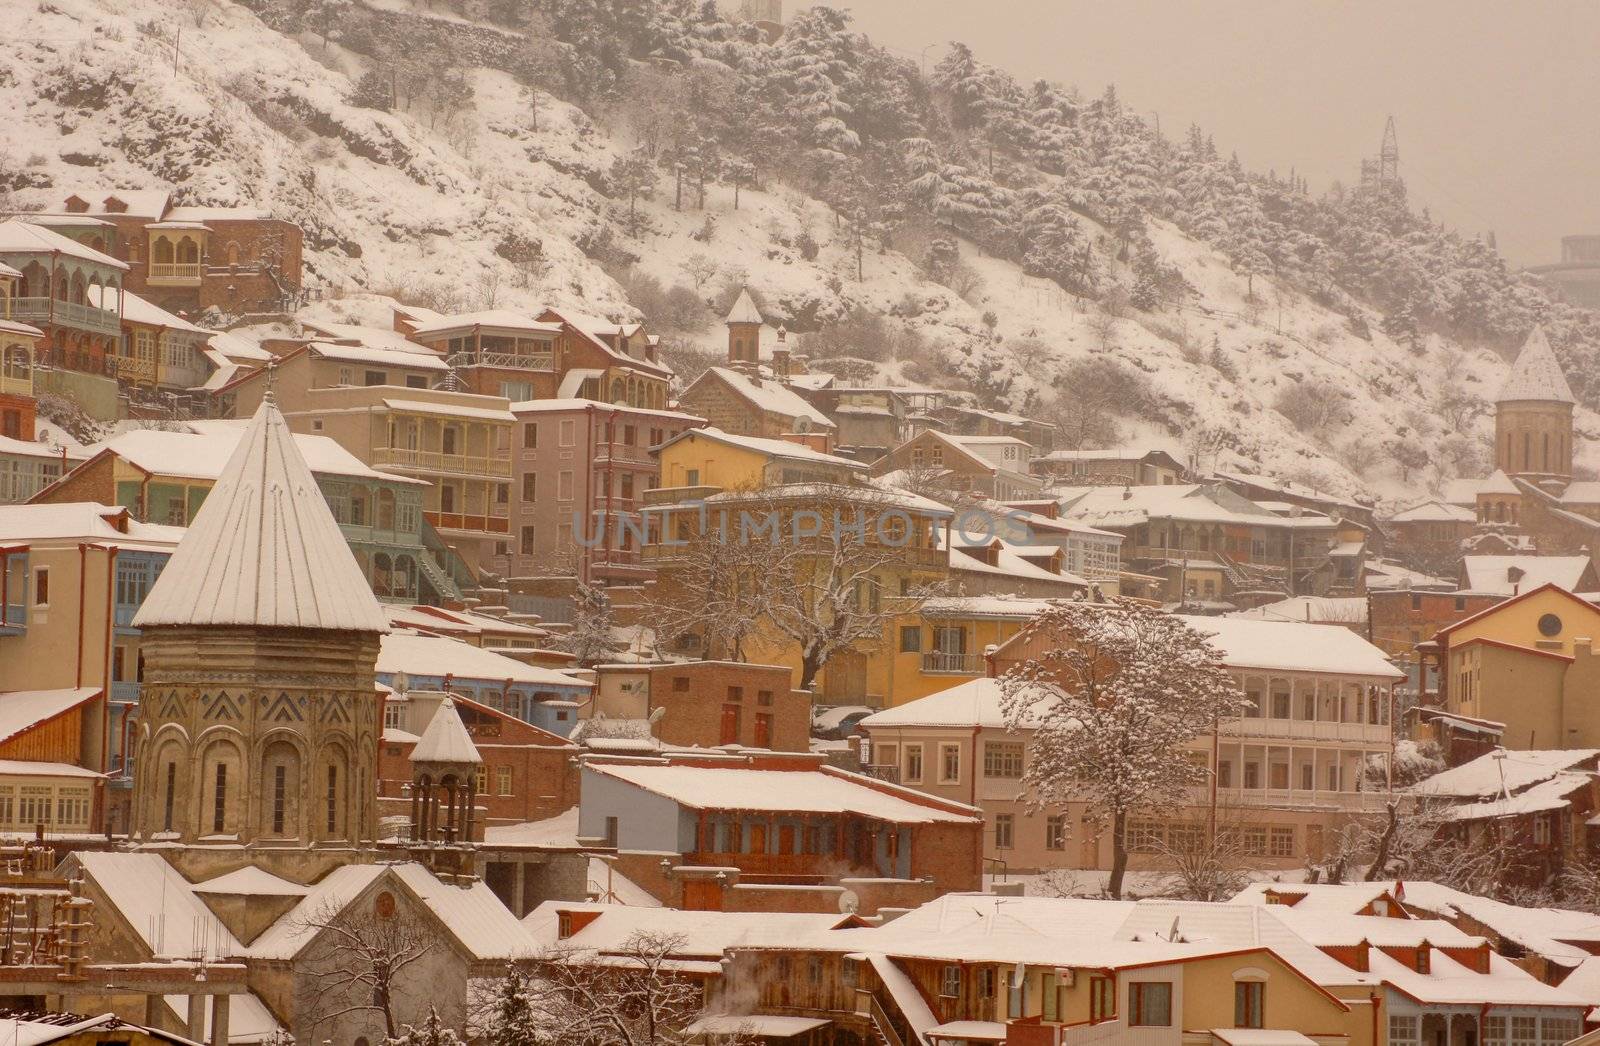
476,207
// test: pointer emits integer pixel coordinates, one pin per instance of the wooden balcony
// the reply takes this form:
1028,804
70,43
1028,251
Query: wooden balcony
503,360
937,662
466,522
65,314
175,274
405,459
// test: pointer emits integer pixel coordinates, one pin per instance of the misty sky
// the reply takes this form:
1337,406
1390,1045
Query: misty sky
1497,103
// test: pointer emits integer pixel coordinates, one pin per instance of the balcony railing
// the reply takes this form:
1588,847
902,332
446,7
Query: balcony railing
125,692
133,368
186,271
13,619
66,313
1306,730
474,522
1301,798
438,461
937,661
18,384
503,360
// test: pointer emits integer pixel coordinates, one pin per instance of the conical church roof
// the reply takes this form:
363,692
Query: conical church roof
744,309
1536,375
446,739
264,549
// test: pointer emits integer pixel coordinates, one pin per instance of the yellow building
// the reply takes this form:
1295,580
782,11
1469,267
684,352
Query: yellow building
700,462
1528,663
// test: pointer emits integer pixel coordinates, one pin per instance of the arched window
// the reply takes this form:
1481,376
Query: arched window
188,251
1527,449
618,391
333,804
163,251
233,253
385,510
80,288
1547,452
280,789
133,250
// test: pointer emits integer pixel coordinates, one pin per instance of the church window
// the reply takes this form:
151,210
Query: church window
172,790
219,802
279,796
333,799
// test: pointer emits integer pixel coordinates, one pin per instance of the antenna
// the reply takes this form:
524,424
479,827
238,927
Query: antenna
1389,155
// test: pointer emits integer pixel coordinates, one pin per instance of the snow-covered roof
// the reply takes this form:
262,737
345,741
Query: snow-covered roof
83,520
216,214
159,905
1384,576
22,710
233,347
1582,492
1492,573
1554,794
33,449
1536,374
699,934
22,330
141,310
1018,608
1284,646
774,448
1564,936
744,309
38,768
495,319
465,622
977,702
773,397
1341,898
1435,512
138,203
1123,506
250,881
20,237
445,740
1510,771
1009,560
1497,482
820,791
450,410
420,359
264,549
1321,610
442,656
558,832
1132,452
204,452
542,406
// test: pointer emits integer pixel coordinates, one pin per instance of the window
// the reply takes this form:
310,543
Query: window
1403,1030
530,436
375,377
1248,997
1524,1031
1225,774
280,793
530,487
764,698
910,639
914,764
480,781
885,755
1541,830
1004,825
502,780
680,684
950,981
566,432
219,799
1055,832
1102,999
564,487
333,799
527,541
611,831
1252,775
416,381
1558,1029
736,693
41,587
1281,842
949,764
1002,759
1150,1004
172,795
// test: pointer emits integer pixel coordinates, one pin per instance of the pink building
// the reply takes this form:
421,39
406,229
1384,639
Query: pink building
576,462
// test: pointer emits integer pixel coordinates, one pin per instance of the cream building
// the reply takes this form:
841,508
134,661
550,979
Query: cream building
1315,711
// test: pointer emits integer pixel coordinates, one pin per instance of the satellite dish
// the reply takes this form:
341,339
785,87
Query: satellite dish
849,903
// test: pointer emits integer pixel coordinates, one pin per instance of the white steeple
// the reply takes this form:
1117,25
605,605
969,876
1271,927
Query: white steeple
744,309
264,549
1536,375
446,739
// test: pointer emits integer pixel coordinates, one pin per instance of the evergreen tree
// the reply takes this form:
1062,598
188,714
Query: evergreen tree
515,1020
432,1032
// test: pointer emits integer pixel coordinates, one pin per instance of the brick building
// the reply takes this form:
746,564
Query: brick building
187,259
527,773
709,703
778,832
577,462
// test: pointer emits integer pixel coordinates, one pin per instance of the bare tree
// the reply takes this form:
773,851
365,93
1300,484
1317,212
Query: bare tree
1115,697
630,996
360,970
1201,861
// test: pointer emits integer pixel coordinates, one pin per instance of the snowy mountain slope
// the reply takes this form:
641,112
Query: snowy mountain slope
440,208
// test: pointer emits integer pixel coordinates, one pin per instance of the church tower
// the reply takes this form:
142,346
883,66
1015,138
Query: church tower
259,717
744,333
1533,417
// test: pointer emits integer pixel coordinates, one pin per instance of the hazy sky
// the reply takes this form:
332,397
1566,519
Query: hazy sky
1497,104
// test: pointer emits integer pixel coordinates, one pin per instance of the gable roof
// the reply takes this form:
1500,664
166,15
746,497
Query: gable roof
774,448
23,710
264,549
770,396
1504,771
1435,512
20,237
1496,608
1536,374
1492,573
205,451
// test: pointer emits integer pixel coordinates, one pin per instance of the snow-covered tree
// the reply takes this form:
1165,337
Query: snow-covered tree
633,176
635,998
431,1032
1115,697
518,1013
590,638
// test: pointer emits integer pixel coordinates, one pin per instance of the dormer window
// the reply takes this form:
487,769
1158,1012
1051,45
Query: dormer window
115,205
